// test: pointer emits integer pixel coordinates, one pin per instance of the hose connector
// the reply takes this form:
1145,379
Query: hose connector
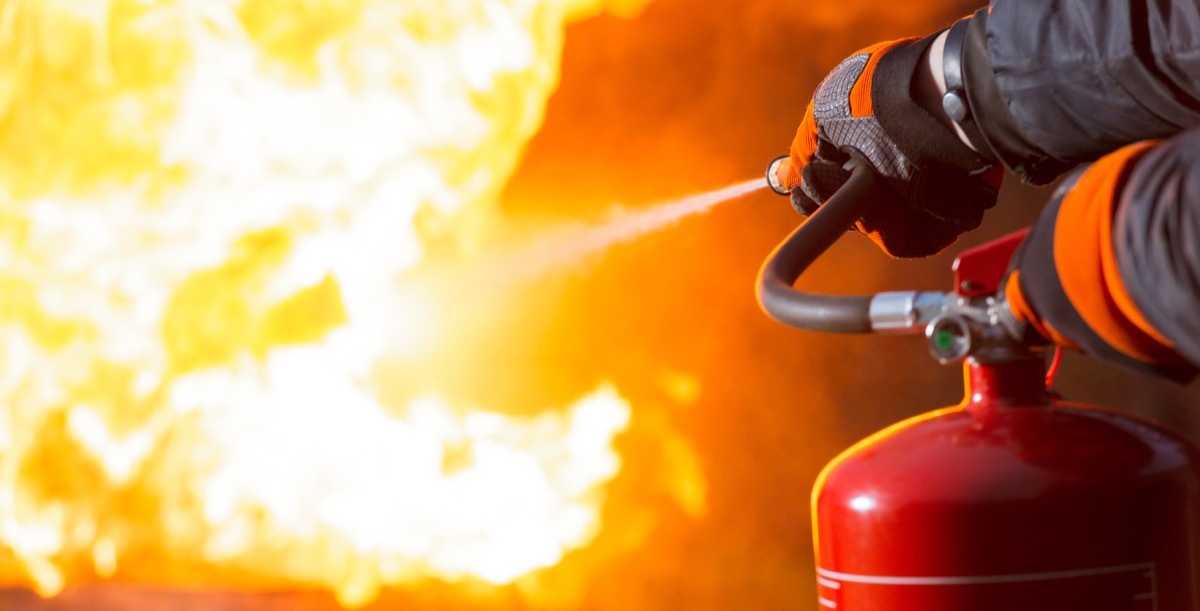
905,311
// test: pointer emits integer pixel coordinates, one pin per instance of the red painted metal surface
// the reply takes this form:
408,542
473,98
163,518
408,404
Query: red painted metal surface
1011,501
979,271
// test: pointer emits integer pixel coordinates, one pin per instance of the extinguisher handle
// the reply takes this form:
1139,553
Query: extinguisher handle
890,312
831,313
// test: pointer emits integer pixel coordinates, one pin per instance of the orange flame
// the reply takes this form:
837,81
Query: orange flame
204,208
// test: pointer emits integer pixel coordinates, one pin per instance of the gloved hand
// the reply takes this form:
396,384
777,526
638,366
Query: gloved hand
940,186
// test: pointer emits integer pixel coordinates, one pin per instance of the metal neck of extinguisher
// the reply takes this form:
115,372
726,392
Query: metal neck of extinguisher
1016,382
956,327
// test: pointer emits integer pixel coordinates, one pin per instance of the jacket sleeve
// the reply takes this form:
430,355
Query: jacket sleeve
1112,266
1057,82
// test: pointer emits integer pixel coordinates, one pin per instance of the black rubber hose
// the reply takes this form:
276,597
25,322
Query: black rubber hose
829,313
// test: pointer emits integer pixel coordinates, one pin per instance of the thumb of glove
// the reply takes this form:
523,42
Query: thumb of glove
821,177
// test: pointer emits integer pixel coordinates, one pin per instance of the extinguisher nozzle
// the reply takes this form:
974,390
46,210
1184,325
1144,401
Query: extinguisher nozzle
777,166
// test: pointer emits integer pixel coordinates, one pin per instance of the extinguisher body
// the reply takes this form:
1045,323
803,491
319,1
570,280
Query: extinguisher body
1012,500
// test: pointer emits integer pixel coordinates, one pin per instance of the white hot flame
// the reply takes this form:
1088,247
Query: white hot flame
203,212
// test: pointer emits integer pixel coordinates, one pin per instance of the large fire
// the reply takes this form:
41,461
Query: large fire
204,210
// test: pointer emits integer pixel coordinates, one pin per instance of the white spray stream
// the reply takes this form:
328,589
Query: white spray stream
570,244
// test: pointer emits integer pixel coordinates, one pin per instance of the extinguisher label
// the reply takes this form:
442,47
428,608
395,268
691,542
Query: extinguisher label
1117,588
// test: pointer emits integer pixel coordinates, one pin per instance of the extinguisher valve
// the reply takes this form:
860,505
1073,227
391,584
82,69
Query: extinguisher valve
949,337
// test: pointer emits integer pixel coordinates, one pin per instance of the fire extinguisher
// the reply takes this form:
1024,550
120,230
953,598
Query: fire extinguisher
1012,500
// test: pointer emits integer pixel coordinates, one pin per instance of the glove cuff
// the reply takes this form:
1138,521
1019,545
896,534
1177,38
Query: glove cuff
925,138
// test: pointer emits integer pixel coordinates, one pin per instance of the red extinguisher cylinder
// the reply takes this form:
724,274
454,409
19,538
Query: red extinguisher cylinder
1012,500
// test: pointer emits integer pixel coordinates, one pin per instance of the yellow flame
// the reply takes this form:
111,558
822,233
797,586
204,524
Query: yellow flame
203,210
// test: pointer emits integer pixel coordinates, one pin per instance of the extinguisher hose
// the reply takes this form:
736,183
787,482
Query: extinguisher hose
812,312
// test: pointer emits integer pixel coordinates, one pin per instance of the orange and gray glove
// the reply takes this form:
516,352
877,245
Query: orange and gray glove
940,187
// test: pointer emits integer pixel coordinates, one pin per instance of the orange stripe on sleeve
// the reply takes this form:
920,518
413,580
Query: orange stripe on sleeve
1087,266
1024,313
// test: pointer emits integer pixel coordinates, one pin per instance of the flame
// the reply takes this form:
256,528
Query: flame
204,207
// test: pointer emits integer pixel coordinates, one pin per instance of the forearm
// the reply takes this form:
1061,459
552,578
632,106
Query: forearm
1111,267
1058,82
1155,241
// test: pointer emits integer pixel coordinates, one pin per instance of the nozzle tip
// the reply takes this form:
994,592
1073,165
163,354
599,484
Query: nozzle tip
776,173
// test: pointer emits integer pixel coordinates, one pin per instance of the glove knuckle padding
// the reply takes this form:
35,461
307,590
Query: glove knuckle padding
836,124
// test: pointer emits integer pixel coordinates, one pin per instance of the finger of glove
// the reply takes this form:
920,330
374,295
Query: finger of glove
804,145
821,179
802,202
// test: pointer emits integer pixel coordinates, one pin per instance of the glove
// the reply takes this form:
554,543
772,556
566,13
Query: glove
940,187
